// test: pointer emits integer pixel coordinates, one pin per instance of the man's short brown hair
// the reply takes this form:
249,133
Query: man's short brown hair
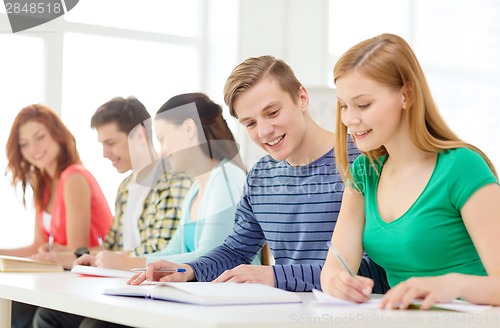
252,70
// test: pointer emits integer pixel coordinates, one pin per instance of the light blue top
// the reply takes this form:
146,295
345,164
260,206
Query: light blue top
215,215
189,234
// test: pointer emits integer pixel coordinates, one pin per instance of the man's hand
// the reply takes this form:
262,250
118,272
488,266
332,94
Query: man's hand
249,273
152,273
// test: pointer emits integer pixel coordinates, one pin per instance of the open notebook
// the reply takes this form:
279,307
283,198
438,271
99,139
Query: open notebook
206,293
101,272
24,264
456,305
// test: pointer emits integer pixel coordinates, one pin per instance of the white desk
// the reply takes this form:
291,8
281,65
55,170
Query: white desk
83,295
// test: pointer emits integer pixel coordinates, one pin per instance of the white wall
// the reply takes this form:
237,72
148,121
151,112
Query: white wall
297,32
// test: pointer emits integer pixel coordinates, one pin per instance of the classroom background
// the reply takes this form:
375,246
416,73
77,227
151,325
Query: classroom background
155,49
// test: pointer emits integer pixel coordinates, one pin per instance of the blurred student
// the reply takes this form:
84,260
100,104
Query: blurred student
69,203
148,201
423,203
195,138
292,195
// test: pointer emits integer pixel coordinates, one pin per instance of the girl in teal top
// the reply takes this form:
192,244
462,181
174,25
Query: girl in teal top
421,202
207,228
195,138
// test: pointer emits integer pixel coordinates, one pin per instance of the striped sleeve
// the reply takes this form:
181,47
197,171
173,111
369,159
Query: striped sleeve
240,247
298,277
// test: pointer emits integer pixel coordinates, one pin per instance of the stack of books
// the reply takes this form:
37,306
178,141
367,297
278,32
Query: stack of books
24,264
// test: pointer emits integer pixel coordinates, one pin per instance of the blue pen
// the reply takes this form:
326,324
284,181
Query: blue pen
99,239
159,270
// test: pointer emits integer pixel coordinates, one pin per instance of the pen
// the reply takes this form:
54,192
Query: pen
51,242
99,239
339,257
159,270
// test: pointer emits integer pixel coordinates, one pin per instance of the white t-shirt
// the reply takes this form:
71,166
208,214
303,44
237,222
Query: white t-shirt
137,194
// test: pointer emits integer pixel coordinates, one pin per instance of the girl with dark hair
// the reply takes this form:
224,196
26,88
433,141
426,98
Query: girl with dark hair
195,138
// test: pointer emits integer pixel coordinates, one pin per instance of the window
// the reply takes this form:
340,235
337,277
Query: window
21,81
354,20
456,43
158,16
151,71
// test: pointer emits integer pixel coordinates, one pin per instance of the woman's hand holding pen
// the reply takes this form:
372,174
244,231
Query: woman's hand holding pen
350,288
153,273
45,248
64,258
344,283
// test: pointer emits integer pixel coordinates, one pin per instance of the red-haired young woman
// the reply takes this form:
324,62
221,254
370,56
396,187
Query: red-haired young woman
69,203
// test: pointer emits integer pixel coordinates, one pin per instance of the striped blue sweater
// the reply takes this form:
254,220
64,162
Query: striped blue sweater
295,210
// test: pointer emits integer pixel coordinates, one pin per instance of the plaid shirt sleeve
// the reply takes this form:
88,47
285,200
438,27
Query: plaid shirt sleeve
162,212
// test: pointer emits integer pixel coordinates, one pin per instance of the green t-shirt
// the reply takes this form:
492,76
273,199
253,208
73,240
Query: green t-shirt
430,239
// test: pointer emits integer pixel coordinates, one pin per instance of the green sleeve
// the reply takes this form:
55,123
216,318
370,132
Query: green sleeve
469,172
361,169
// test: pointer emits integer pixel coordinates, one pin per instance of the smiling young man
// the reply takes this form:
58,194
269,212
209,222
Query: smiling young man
292,196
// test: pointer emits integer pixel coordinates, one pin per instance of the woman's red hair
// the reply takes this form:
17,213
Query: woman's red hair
21,170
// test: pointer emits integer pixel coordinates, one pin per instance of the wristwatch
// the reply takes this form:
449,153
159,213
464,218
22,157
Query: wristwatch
81,251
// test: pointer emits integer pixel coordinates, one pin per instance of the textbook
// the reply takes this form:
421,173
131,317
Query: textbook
24,264
101,272
207,293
